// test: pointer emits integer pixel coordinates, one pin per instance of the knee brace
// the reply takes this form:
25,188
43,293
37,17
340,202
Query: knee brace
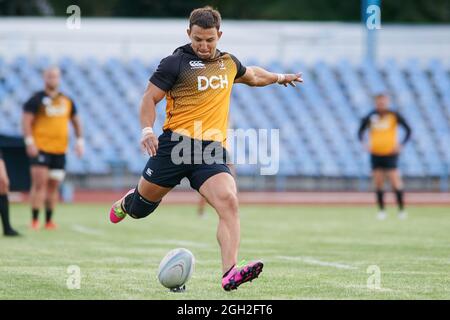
138,207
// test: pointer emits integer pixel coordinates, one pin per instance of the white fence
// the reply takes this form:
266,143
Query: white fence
249,40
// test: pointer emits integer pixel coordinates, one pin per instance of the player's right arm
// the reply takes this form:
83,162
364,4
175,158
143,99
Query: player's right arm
161,82
29,110
363,127
152,95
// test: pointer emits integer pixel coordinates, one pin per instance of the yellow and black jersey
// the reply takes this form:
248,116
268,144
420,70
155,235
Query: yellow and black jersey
50,128
197,92
383,133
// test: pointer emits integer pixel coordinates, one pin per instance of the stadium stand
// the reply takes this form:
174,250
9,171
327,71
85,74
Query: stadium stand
318,122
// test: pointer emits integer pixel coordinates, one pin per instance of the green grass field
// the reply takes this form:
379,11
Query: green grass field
309,253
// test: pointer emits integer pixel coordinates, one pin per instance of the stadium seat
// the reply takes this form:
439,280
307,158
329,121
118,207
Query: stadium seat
317,121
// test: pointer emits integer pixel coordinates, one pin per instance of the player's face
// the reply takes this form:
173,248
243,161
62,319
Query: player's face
204,41
382,103
51,79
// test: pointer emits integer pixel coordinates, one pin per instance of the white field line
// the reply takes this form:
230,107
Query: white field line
313,261
86,230
175,242
309,260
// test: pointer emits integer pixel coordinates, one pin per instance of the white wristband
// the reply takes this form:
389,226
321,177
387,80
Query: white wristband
29,141
80,142
281,78
146,131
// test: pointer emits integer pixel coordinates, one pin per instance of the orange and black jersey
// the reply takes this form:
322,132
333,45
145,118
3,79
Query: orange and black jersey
383,137
50,128
197,92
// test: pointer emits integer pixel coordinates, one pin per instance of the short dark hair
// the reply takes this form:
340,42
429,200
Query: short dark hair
380,95
205,18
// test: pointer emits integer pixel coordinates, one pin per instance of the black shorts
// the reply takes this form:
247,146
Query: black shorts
180,156
384,162
1,155
50,160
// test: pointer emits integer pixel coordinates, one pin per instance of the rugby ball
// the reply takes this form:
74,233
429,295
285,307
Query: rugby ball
176,268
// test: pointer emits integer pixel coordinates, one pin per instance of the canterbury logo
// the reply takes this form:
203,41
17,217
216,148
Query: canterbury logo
214,82
197,64
149,172
221,65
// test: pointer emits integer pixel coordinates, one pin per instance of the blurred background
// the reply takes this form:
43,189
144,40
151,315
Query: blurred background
108,55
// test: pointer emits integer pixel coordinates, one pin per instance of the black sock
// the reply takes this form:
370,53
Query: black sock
4,212
399,196
137,207
35,213
48,215
126,204
380,199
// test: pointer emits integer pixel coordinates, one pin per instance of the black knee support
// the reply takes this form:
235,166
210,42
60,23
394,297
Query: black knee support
138,207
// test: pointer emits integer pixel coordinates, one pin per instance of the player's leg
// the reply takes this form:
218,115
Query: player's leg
51,201
201,206
145,199
4,203
397,186
378,183
159,176
138,202
39,180
202,201
56,176
220,192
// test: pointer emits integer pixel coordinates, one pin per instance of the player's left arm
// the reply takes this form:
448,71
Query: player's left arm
258,77
401,121
76,123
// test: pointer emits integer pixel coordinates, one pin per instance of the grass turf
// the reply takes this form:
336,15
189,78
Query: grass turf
309,253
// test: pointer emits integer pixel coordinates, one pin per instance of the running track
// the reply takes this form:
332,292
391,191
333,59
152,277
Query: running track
272,198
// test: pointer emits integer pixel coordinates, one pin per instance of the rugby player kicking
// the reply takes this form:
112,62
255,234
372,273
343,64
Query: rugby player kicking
196,80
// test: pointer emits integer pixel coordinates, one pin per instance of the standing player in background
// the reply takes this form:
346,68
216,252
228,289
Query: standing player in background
196,80
384,150
4,203
46,117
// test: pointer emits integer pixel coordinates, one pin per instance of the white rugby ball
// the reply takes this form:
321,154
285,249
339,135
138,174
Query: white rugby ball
176,268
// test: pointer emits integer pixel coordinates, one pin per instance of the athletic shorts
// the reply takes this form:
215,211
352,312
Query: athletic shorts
384,162
180,156
1,155
52,161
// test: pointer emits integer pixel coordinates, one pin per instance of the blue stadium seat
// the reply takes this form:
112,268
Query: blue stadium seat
318,120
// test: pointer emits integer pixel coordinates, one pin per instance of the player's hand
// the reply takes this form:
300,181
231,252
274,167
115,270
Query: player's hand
32,151
397,149
149,141
4,181
79,147
290,79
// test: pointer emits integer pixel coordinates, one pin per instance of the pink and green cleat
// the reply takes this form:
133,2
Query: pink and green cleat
240,274
117,213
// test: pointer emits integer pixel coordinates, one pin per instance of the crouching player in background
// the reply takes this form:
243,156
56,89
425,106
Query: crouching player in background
384,150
